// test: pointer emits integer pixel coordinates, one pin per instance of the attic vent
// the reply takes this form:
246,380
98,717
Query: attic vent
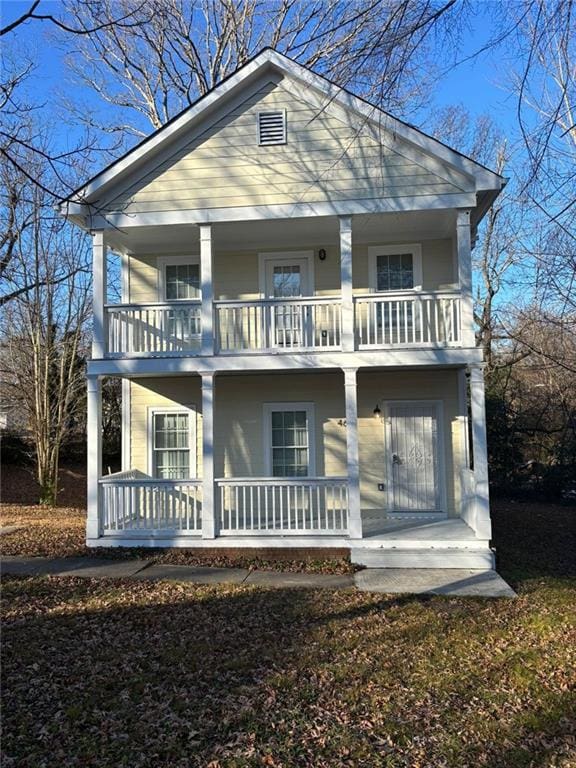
272,128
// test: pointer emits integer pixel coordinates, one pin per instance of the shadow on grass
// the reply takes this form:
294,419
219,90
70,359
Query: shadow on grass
534,540
169,675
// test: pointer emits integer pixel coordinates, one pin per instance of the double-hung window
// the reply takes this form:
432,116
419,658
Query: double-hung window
289,438
180,279
394,272
172,444
395,267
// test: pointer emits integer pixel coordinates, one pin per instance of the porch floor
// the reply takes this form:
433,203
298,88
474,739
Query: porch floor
376,524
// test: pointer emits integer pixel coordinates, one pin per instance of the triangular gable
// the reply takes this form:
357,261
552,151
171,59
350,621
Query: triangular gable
328,157
339,148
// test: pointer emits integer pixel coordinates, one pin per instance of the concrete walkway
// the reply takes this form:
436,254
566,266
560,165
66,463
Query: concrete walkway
5,530
92,567
388,580
433,581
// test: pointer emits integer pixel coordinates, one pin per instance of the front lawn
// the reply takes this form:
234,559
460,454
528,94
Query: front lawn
60,532
112,674
166,675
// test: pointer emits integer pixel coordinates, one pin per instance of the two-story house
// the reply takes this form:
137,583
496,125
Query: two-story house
295,336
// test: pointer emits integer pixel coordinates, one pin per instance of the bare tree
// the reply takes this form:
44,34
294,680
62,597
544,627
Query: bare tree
499,241
546,93
150,71
44,326
33,13
18,144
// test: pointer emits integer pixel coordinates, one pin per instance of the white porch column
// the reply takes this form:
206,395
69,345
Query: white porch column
346,283
464,254
463,416
99,295
354,514
480,452
94,455
208,495
126,424
207,289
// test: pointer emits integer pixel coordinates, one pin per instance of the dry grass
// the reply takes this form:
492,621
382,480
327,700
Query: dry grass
45,532
163,675
104,674
60,532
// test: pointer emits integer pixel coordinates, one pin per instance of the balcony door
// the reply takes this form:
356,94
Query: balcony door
414,457
287,278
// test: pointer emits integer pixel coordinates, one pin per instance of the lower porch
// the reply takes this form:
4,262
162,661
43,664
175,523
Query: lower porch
368,460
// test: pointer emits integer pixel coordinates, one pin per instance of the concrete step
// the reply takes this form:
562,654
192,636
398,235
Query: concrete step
474,559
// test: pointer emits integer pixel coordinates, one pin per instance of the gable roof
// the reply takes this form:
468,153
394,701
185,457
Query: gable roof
488,183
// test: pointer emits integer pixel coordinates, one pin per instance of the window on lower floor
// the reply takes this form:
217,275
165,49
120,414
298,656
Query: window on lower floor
171,447
290,440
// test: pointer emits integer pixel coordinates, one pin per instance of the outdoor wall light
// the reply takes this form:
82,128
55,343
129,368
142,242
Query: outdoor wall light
322,254
377,412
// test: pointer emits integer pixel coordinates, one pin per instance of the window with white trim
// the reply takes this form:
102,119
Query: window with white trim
181,281
172,441
395,267
290,439
394,272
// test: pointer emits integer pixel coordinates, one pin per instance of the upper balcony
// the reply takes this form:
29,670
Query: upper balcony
307,324
379,282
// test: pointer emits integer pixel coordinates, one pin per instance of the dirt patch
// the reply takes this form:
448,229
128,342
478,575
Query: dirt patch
18,485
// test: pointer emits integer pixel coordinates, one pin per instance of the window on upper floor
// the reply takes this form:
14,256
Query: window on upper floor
395,268
181,281
272,127
394,272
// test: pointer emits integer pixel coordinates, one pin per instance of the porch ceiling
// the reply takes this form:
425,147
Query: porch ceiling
279,233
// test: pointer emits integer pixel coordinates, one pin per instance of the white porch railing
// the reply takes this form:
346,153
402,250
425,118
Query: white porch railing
153,329
310,323
401,319
262,506
132,502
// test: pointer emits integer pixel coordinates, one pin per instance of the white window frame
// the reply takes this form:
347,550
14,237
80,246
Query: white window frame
277,256
415,249
268,409
173,261
193,448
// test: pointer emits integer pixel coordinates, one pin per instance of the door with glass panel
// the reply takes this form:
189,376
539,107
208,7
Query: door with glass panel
182,284
287,279
395,272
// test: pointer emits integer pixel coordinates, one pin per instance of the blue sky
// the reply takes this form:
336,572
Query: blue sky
478,84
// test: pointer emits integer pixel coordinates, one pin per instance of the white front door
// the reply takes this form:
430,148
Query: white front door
287,279
413,457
